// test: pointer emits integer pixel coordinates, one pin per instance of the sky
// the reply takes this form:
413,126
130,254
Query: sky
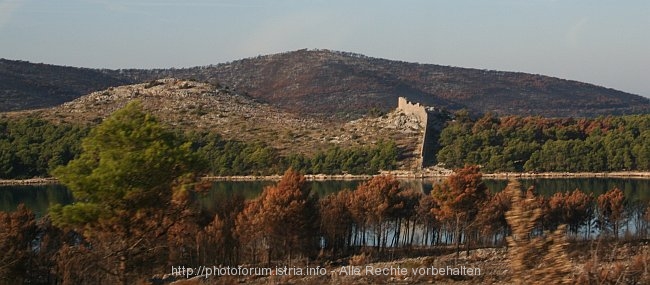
603,42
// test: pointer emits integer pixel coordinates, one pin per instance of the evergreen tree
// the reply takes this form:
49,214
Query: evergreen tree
128,184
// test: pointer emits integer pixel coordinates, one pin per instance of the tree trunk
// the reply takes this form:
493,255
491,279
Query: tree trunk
457,237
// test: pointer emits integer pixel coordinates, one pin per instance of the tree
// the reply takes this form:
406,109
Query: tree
460,197
611,207
283,220
249,231
291,216
491,217
578,210
17,231
336,221
534,259
571,208
375,203
427,219
129,187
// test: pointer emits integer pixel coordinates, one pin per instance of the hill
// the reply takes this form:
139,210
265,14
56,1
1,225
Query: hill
25,85
336,85
197,106
339,83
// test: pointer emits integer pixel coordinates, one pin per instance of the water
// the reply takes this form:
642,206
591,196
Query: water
637,193
634,189
39,198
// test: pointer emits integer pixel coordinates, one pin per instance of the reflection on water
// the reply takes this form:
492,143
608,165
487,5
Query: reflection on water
634,189
38,198
252,189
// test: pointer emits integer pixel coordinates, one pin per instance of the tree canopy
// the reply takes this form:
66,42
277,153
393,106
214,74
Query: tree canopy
515,143
128,162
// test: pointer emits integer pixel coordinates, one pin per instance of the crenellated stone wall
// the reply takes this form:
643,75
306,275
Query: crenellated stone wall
429,140
416,109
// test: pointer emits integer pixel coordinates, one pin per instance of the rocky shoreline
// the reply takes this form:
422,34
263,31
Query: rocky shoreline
531,175
400,174
30,181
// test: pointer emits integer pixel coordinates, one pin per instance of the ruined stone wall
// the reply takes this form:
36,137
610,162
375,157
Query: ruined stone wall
428,143
416,109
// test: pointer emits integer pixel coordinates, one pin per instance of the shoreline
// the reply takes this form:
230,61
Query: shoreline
399,174
30,181
542,175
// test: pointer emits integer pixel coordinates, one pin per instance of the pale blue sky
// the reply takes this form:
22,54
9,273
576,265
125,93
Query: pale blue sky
602,42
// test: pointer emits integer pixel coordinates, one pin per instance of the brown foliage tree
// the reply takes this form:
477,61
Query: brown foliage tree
571,208
427,219
336,221
17,231
578,210
285,216
491,218
214,243
407,216
250,233
460,197
611,208
375,203
217,243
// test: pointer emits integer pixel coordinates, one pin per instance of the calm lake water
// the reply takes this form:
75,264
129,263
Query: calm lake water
39,198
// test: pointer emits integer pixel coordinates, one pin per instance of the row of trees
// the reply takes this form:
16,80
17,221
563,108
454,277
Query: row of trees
124,236
515,143
32,147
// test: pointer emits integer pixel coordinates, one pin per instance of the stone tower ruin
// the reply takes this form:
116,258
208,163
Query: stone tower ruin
427,117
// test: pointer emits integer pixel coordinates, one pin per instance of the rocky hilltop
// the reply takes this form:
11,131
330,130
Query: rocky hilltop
336,85
197,106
